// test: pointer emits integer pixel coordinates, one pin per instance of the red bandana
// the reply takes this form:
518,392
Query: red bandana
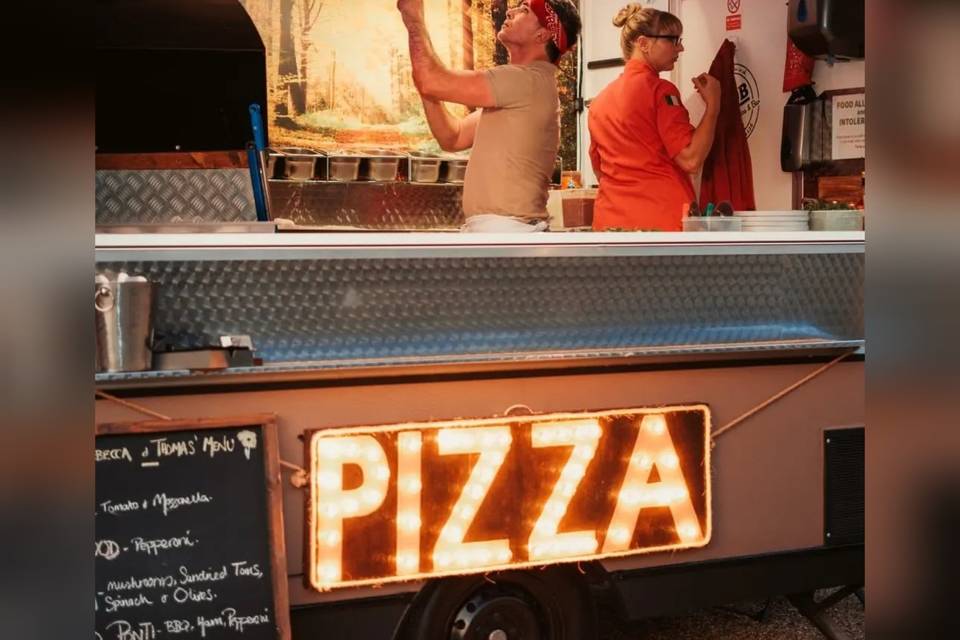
548,18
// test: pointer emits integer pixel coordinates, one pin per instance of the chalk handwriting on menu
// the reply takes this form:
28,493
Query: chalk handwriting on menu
160,501
163,447
227,618
164,569
111,549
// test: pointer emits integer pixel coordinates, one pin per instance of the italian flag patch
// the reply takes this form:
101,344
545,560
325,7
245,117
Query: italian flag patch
673,101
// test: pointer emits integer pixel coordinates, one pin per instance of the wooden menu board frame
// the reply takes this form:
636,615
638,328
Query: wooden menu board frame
272,485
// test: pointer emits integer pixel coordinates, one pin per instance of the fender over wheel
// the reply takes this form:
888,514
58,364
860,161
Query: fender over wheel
553,603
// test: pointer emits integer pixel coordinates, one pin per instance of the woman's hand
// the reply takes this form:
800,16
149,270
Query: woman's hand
709,89
411,11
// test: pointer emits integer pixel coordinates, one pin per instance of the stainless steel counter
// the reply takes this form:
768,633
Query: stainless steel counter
381,304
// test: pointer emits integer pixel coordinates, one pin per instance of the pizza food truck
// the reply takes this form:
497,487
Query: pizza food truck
375,433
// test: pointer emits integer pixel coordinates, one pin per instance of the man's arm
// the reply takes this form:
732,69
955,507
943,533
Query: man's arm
452,133
433,80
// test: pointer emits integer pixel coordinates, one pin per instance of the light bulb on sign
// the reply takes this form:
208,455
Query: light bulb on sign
655,424
330,449
411,444
688,531
331,538
669,460
329,573
620,535
330,510
588,432
329,480
409,522
407,563
642,461
476,490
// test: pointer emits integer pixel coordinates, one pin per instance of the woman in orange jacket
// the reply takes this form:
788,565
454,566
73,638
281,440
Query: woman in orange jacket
642,145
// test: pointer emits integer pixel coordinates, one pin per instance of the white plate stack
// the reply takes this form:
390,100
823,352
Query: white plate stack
775,220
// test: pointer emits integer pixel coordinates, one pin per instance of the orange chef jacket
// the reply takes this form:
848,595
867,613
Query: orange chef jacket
637,125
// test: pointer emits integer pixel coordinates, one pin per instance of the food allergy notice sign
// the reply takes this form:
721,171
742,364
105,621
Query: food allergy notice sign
188,531
849,138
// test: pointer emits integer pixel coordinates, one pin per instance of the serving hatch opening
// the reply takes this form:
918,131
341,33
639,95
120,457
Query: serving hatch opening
176,75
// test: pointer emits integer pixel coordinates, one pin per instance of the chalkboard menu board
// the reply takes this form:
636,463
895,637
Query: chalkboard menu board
189,540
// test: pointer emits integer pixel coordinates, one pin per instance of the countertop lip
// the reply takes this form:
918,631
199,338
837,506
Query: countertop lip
388,367
414,240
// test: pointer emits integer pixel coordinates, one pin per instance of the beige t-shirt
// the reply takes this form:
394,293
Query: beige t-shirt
515,145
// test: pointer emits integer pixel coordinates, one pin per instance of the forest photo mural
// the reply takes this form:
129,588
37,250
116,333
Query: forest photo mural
338,71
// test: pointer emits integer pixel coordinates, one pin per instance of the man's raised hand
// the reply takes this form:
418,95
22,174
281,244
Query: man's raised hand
411,11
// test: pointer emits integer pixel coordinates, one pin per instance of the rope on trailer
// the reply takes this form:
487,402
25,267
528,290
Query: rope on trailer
730,425
132,405
516,409
300,477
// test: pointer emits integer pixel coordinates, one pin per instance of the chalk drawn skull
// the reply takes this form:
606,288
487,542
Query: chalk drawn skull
249,441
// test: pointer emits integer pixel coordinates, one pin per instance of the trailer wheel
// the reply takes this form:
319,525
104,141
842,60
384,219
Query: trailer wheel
548,604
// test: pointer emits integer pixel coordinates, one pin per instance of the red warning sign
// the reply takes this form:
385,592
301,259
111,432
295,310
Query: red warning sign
734,22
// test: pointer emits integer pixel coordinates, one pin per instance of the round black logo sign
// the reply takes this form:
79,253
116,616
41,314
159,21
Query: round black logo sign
748,97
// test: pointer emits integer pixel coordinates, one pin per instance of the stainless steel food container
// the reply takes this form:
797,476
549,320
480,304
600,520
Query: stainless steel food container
424,167
273,162
123,324
836,220
454,169
299,164
712,223
380,166
343,167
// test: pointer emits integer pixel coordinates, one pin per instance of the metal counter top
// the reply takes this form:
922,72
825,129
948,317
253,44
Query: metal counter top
295,245
361,304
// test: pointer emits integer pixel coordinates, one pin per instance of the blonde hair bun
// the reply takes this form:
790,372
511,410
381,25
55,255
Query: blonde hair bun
626,13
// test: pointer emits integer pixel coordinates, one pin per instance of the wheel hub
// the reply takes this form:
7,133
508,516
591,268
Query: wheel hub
496,615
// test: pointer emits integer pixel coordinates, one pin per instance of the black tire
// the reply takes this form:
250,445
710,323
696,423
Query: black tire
553,603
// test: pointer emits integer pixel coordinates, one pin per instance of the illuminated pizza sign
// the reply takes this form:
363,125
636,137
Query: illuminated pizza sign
410,501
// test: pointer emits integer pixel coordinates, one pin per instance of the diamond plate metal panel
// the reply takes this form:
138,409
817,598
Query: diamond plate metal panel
385,310
174,195
372,205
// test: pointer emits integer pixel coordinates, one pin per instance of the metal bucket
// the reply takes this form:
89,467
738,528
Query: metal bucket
124,326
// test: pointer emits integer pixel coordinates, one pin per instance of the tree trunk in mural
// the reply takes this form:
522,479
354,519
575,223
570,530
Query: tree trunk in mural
498,15
453,6
287,62
468,34
307,11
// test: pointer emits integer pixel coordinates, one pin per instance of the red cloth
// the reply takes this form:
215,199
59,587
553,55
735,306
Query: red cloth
727,171
637,125
798,69
549,19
